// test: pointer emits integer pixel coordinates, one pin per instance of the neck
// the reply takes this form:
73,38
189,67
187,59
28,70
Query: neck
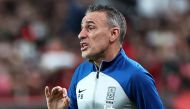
108,55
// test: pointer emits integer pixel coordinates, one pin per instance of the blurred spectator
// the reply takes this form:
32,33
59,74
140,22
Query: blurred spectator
158,36
75,14
5,79
56,56
58,63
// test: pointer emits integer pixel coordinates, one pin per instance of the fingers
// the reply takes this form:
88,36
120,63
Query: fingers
47,93
56,91
57,96
64,92
66,101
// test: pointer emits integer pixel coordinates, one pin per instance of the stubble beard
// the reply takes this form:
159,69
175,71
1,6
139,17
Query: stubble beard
92,57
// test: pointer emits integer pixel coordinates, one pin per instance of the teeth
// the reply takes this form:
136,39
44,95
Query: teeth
84,45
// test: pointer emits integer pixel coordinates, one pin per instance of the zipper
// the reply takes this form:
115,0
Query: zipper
98,70
94,94
96,83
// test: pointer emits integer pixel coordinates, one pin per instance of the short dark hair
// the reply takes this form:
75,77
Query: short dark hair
115,18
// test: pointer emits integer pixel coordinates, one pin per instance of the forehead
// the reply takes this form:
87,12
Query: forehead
95,17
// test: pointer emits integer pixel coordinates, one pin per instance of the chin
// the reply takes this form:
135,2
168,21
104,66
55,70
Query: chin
87,55
84,56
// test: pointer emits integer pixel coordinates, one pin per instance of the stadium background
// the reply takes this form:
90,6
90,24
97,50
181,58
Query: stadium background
39,46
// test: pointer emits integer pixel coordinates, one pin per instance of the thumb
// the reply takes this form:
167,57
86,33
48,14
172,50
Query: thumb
64,92
47,93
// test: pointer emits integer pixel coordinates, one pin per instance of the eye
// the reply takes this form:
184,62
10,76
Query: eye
90,27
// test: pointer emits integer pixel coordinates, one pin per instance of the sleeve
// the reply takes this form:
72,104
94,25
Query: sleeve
72,91
144,92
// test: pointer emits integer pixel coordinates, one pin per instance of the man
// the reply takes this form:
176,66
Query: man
108,79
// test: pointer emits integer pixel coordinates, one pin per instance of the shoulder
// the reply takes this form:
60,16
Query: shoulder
137,73
83,70
85,66
134,67
142,89
139,76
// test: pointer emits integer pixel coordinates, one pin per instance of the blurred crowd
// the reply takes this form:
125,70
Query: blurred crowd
39,46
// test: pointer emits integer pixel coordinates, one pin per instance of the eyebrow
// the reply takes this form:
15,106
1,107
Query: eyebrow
88,22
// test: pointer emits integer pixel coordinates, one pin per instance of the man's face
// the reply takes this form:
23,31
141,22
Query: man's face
94,35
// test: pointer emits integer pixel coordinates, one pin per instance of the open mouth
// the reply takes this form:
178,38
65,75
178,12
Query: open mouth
83,46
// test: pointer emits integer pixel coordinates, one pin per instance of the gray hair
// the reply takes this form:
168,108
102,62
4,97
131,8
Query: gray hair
115,18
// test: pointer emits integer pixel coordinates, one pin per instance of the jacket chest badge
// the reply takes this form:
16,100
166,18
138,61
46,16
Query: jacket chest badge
110,97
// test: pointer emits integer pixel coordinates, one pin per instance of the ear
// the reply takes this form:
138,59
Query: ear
114,34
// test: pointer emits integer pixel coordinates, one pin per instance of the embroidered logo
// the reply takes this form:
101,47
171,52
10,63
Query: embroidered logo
80,94
111,93
81,90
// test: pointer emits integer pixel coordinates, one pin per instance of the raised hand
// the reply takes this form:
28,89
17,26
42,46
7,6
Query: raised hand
56,98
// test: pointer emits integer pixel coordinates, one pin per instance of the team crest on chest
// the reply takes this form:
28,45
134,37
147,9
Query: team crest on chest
110,94
110,97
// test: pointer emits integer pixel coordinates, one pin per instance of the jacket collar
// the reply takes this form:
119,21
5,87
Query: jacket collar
106,65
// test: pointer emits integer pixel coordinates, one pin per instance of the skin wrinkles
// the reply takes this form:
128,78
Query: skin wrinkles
95,36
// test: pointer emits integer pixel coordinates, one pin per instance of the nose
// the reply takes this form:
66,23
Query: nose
83,34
